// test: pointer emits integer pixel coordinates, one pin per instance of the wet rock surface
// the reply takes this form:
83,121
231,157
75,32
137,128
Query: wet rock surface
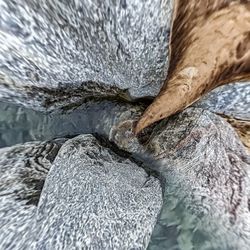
19,124
195,156
54,53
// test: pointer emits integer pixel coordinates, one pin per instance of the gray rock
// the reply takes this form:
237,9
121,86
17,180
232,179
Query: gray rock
95,199
23,169
232,100
19,124
92,197
205,171
201,163
56,54
207,183
53,53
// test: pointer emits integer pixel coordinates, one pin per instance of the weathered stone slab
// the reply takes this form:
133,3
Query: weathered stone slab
54,53
95,199
203,167
207,183
19,124
205,171
92,197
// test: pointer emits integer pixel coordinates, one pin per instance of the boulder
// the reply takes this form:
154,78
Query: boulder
55,53
94,197
206,171
232,100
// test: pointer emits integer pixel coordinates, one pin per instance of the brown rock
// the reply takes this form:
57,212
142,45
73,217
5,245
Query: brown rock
209,47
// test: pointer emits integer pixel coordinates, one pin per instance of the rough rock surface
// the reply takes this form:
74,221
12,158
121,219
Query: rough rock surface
23,169
242,127
232,100
19,124
58,54
53,53
207,183
95,199
90,199
205,170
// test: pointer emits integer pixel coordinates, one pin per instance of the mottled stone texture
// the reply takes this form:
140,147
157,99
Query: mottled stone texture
96,195
204,169
242,127
19,124
53,53
232,100
23,169
109,118
56,54
207,183
90,199
96,199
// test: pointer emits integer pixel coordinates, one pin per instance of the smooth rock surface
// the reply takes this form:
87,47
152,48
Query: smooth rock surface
95,199
19,124
23,169
54,53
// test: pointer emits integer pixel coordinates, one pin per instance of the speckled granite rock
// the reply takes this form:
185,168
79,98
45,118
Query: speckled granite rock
90,199
53,53
56,54
205,170
95,199
202,165
242,127
207,184
23,169
232,100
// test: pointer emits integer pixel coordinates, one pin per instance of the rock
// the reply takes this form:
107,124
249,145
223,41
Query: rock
242,128
205,172
20,124
232,100
89,199
199,159
55,53
96,199
23,169
207,178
